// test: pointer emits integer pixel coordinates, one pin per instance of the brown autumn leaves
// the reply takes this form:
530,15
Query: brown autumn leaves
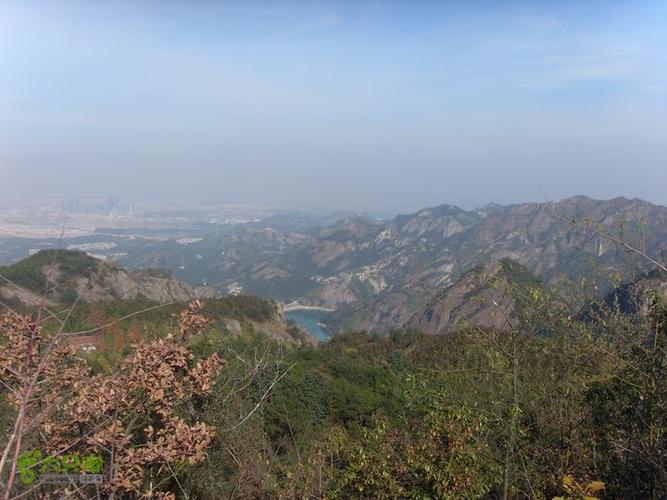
140,418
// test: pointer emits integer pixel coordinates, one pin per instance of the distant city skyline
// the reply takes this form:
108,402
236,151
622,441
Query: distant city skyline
382,107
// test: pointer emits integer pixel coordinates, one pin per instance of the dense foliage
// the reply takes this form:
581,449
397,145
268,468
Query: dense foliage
574,413
556,407
240,308
129,422
30,272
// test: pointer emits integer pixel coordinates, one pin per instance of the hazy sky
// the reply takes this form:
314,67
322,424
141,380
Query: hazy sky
372,105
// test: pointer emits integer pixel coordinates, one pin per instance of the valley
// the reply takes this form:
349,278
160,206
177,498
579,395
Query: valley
376,274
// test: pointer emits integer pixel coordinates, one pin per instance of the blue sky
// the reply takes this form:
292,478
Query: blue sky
369,105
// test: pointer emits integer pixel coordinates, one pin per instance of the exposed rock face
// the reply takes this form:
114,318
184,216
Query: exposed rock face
382,272
531,234
113,282
75,276
25,296
100,280
637,297
483,298
391,312
275,329
436,246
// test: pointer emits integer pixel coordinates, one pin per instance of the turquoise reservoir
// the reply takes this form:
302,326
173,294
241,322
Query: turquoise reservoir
310,319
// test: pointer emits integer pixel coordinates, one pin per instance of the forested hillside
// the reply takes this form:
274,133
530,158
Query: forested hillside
551,404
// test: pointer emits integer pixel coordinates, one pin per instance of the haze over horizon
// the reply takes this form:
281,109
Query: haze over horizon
351,105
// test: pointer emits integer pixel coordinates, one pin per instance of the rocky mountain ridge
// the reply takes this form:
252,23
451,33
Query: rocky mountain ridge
484,297
65,276
389,270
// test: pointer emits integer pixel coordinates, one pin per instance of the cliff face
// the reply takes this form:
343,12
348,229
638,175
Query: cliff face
638,296
74,276
483,298
416,268
67,276
359,258
113,282
474,300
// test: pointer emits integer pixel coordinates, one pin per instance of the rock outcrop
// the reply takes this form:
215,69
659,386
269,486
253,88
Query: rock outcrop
66,276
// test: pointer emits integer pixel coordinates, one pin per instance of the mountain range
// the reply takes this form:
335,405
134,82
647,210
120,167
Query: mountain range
378,274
